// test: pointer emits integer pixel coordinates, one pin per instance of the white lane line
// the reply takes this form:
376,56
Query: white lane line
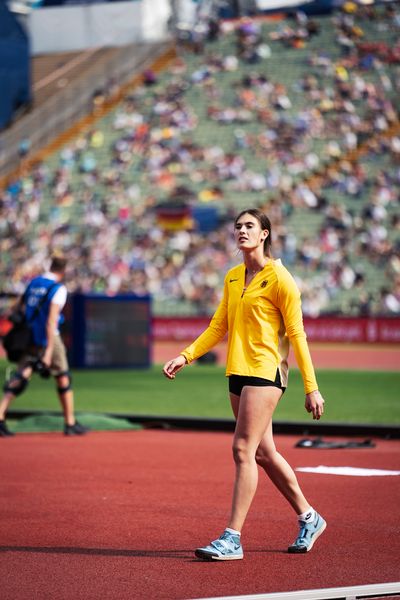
345,593
351,471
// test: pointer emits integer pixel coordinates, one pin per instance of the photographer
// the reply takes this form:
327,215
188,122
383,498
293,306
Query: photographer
47,355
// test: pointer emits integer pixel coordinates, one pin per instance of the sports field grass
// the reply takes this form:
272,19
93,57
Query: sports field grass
201,391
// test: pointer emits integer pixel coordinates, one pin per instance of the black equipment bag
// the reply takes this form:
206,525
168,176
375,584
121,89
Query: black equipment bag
17,341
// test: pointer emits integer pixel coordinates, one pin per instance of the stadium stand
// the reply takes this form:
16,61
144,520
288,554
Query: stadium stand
14,67
293,114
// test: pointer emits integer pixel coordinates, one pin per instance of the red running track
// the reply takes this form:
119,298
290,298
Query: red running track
117,515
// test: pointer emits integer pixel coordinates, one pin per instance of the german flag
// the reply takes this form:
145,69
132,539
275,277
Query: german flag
173,216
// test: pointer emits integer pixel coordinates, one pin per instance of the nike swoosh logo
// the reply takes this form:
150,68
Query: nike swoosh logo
230,281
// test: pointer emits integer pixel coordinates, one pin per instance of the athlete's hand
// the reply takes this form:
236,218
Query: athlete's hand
46,358
315,404
172,367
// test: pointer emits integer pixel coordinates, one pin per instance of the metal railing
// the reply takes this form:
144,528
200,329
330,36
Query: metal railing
43,124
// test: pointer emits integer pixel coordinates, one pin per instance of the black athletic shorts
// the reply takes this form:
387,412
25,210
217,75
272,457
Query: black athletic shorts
237,382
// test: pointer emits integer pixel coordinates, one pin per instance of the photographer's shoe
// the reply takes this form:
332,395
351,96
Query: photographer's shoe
226,547
76,429
4,431
308,534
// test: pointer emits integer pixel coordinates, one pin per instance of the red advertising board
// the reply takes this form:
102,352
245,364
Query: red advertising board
379,330
382,330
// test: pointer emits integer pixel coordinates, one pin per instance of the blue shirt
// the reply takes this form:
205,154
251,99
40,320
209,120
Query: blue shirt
35,291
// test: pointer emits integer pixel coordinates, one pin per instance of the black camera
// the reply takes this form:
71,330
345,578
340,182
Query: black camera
39,367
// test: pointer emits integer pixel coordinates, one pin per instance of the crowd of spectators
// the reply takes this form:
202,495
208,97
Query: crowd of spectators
285,141
357,244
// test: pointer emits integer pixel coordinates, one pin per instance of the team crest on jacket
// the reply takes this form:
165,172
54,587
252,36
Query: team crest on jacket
264,283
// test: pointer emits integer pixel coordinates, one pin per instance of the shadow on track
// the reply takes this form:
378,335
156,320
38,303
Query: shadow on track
98,551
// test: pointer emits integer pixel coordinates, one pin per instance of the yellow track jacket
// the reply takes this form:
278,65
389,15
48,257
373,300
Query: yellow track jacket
260,321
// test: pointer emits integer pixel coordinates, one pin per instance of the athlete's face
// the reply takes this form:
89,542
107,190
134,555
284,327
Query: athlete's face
248,233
